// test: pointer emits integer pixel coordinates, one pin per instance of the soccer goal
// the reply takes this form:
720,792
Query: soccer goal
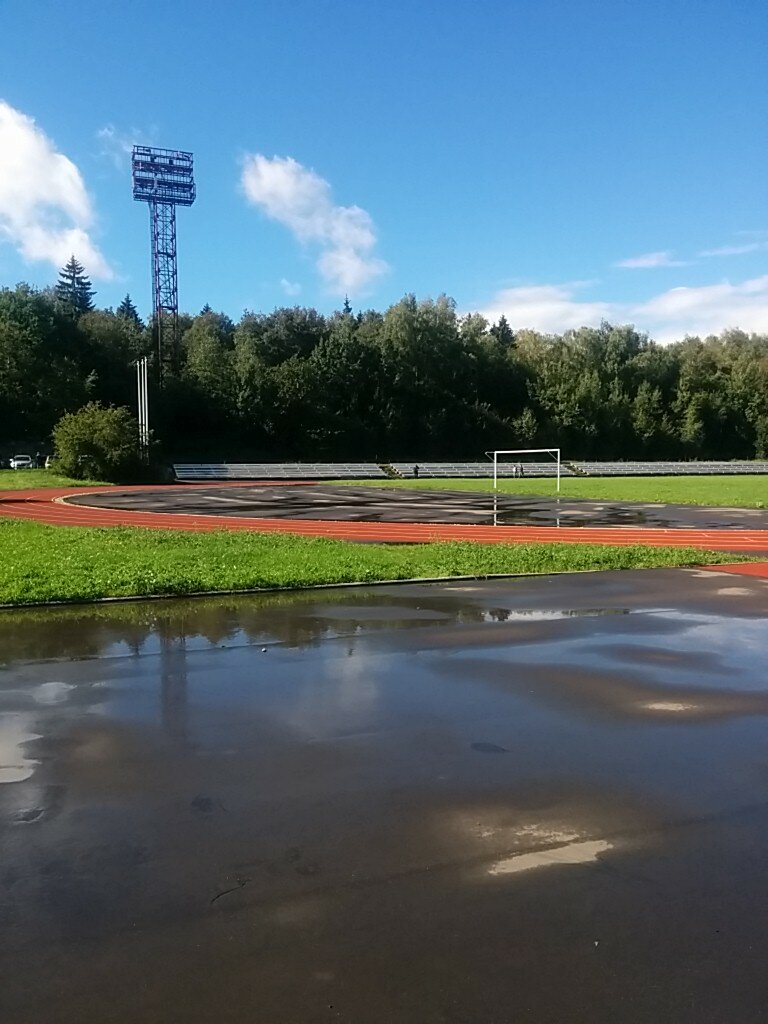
554,453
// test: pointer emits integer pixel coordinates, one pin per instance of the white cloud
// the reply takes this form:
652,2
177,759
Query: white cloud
45,210
116,146
736,250
290,287
707,309
550,308
668,316
651,259
301,200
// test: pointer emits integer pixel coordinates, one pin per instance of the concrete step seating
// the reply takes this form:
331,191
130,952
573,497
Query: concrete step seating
671,468
277,471
448,470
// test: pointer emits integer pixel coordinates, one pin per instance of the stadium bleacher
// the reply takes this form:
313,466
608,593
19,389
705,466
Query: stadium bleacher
277,471
669,468
447,470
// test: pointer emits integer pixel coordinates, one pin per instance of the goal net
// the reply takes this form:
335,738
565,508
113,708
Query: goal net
513,462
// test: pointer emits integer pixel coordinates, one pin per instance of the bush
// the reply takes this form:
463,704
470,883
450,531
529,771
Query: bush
98,443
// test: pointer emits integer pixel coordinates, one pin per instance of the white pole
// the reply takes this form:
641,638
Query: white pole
143,402
495,463
146,407
139,398
558,470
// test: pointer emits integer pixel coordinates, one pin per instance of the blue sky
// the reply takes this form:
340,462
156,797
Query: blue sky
556,161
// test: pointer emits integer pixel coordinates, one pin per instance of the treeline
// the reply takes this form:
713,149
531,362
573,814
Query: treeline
416,381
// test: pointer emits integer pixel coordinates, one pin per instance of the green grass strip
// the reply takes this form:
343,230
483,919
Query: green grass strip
40,563
723,491
27,479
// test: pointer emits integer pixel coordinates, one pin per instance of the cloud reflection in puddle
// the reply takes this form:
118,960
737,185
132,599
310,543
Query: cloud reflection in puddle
15,731
553,856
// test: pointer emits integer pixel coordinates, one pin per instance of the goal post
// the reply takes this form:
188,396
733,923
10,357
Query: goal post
552,452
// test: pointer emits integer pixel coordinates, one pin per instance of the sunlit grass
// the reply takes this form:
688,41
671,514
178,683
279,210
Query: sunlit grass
43,563
26,479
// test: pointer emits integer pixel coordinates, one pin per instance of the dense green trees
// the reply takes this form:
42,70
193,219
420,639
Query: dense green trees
418,381
97,442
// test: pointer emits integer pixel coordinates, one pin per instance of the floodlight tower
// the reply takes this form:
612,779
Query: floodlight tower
163,178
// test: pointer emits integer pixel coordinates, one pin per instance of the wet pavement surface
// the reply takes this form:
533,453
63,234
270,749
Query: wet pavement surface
371,504
539,800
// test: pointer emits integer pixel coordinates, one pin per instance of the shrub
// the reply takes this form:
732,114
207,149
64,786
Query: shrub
98,443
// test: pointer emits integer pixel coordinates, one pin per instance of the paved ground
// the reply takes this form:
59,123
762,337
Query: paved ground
373,505
524,802
368,514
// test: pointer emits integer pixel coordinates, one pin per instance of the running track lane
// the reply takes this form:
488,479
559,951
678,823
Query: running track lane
47,506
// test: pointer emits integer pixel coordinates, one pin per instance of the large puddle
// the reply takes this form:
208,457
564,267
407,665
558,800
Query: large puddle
417,803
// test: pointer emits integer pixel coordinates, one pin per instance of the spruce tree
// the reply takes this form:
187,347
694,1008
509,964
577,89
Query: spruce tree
128,311
503,332
74,288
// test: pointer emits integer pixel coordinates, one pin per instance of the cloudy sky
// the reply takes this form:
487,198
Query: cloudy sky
559,162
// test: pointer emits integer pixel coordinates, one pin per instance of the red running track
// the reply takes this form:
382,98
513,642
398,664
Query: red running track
48,506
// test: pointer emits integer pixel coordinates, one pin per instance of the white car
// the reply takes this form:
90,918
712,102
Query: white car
22,462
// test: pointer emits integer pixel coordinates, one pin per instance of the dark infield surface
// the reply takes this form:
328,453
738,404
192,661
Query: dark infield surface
519,802
371,505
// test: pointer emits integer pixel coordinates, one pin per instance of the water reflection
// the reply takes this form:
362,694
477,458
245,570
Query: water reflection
552,856
560,512
173,686
546,614
16,731
296,619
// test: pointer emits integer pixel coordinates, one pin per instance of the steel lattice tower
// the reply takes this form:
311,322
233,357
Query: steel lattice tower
163,178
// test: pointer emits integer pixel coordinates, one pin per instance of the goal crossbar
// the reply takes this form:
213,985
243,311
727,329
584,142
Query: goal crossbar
554,452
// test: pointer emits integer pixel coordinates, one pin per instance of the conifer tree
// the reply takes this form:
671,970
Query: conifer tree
128,311
503,332
74,288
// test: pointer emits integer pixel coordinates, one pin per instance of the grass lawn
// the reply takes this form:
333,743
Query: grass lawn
26,479
734,491
55,563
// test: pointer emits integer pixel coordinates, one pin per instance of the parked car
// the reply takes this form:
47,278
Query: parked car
22,462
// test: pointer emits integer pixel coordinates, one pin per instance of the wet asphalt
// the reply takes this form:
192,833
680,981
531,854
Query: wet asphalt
539,800
371,504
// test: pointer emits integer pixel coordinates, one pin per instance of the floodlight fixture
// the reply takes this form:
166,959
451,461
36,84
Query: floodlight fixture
164,179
